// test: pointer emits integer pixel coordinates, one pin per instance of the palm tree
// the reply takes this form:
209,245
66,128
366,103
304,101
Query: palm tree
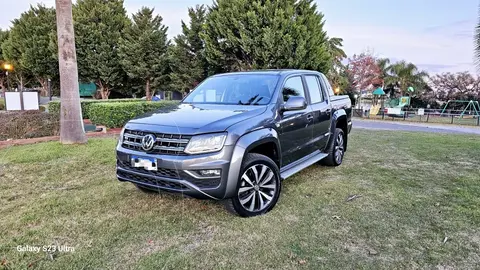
71,123
406,75
477,42
337,73
384,65
335,48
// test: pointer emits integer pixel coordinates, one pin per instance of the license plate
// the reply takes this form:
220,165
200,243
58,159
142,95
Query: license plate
147,163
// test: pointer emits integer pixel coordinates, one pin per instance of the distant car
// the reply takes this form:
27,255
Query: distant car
154,98
236,136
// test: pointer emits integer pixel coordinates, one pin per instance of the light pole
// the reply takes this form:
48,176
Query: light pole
50,88
8,67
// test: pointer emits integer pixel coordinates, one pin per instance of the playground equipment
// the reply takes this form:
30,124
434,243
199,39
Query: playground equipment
390,106
399,102
394,106
374,109
472,107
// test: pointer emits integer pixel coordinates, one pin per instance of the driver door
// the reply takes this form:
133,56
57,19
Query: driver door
296,126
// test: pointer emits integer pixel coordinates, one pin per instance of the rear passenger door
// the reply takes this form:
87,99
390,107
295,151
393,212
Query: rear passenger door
321,111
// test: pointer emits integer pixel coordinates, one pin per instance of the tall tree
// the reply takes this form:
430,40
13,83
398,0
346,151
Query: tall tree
188,63
99,25
28,46
71,123
143,49
258,34
405,75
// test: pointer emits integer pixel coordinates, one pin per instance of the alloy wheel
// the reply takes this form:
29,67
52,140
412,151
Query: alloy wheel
257,188
339,148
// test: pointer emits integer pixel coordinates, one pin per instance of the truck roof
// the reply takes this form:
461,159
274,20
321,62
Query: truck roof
271,71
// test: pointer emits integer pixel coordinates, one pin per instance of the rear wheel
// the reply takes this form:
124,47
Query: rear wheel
258,188
336,149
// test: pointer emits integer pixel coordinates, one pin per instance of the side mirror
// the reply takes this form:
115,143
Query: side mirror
295,104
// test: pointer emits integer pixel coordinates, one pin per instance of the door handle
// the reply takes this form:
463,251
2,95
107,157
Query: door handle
309,117
328,111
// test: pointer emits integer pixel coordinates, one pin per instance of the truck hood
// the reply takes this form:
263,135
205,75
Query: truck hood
200,118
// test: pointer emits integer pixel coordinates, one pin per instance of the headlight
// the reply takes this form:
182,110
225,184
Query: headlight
206,143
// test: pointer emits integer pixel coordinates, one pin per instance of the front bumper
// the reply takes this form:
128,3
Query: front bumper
174,172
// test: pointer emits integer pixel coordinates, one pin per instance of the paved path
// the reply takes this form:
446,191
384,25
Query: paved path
423,127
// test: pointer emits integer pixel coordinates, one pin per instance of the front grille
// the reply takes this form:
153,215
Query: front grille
160,172
152,181
166,144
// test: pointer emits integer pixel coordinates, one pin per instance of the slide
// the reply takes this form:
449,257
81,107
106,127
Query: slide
374,110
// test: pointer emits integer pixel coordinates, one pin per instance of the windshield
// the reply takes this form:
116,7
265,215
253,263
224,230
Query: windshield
240,89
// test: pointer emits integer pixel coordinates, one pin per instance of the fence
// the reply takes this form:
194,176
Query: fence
428,116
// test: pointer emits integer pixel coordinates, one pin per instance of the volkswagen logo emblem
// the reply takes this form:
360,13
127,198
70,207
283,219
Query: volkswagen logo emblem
148,142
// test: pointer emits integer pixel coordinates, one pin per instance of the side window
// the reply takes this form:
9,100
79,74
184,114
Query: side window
313,84
328,87
293,87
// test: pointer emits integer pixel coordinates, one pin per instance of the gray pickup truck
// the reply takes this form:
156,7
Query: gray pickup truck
236,136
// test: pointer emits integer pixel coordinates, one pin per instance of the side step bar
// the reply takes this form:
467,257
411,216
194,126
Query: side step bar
302,164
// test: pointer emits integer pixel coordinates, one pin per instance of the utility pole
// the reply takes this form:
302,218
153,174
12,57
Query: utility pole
71,122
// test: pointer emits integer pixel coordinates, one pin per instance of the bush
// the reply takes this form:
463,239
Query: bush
54,106
2,104
117,114
28,124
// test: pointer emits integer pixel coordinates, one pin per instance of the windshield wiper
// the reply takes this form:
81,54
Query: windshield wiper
249,101
256,102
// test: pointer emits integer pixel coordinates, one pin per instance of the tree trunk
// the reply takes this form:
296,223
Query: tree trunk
3,89
104,90
71,122
147,90
20,83
43,87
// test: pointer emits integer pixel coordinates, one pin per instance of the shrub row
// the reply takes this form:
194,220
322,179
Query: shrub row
28,124
116,115
54,106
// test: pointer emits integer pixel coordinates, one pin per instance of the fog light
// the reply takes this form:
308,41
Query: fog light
209,173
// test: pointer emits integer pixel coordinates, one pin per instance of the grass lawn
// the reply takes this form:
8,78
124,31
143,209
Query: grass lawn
418,207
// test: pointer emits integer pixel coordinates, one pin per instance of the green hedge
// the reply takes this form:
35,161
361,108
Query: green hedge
2,104
116,115
28,124
54,106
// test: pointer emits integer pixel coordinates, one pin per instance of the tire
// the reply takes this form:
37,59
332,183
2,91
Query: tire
148,190
335,151
256,194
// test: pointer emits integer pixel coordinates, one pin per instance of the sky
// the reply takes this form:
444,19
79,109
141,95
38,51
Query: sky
436,35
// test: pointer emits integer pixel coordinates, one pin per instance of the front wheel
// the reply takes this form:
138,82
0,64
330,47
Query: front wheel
258,188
